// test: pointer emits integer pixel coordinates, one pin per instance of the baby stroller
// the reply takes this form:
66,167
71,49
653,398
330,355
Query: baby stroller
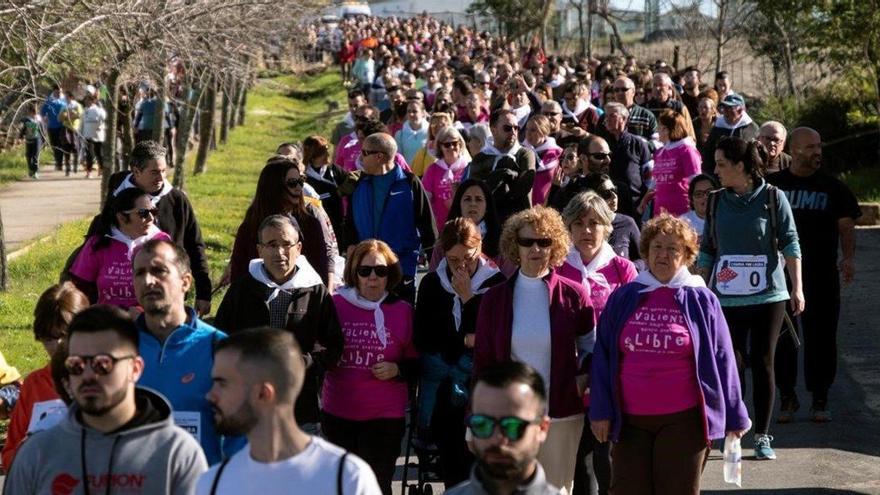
427,456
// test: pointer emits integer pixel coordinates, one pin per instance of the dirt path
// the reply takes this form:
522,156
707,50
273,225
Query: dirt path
32,209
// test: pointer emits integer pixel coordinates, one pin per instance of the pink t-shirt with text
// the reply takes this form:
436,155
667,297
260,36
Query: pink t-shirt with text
617,272
441,189
350,390
109,268
674,165
657,367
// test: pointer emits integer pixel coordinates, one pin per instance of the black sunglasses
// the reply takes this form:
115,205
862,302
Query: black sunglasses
510,128
512,427
607,193
365,152
364,271
621,90
543,242
101,364
144,213
450,144
295,182
600,155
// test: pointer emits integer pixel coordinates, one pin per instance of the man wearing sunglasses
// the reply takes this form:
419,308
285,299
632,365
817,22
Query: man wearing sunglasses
390,204
116,438
507,167
507,426
176,345
176,217
282,290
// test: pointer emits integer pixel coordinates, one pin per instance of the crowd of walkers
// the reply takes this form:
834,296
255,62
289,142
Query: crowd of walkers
553,272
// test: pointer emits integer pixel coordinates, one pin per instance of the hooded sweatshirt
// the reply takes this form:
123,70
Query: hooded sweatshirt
410,140
146,456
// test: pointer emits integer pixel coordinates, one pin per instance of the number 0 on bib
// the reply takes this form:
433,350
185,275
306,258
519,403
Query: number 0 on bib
741,275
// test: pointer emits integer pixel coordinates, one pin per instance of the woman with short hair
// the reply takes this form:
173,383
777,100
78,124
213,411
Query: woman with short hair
542,319
664,381
442,176
674,165
325,178
365,395
538,139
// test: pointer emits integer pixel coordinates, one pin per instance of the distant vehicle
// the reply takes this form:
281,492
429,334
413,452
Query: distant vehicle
354,9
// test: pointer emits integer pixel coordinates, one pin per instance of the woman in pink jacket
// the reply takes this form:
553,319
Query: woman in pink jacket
538,138
674,165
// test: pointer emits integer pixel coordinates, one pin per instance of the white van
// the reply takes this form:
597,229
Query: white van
354,9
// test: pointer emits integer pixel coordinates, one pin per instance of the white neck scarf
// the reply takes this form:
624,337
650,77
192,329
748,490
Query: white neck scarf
407,127
575,114
682,278
304,276
490,149
130,243
590,272
351,295
450,169
485,271
318,174
547,145
154,198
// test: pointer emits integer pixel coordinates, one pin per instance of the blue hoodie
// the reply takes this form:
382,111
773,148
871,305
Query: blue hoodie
180,370
51,111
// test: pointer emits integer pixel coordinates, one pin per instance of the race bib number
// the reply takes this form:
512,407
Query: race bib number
190,421
741,275
46,414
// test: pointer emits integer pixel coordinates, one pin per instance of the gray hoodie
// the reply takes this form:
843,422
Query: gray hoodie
538,485
150,455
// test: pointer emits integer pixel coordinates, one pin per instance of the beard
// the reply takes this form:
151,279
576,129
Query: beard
513,470
236,424
98,405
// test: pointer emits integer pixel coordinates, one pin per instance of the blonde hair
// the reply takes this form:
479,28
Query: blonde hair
670,225
546,222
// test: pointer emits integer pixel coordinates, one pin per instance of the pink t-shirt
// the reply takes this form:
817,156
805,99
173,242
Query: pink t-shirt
674,165
657,366
350,390
347,153
549,158
617,272
109,268
442,190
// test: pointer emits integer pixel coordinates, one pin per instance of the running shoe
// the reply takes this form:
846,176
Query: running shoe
763,450
820,412
789,406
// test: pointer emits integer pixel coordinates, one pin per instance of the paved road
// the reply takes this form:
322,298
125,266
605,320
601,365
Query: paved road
32,209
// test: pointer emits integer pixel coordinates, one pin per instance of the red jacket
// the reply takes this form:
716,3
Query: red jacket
571,316
37,387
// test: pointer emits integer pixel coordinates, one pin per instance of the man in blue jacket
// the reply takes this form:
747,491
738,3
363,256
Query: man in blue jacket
51,113
177,347
390,204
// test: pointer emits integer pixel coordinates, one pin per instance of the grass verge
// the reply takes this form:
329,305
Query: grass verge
864,183
281,109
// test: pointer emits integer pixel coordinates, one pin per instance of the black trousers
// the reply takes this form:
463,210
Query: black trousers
93,154
754,331
59,145
583,479
818,330
448,429
376,441
32,153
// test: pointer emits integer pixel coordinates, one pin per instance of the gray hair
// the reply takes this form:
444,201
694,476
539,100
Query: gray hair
479,131
772,124
551,105
448,133
585,203
279,222
613,106
383,142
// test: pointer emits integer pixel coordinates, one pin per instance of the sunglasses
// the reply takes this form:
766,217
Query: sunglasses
600,156
512,428
607,193
621,90
550,114
144,213
291,183
101,364
510,128
451,144
364,271
528,242
370,152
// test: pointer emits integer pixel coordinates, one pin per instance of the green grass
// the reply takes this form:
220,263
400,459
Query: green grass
864,183
283,109
13,165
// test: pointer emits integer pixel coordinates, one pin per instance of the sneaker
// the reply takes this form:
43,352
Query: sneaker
820,412
789,406
763,450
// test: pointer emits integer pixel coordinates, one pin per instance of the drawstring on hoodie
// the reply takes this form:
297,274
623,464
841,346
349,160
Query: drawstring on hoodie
85,472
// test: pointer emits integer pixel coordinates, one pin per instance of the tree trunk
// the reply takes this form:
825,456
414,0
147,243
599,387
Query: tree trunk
590,28
188,113
719,36
108,148
545,18
127,134
206,125
159,113
4,272
224,113
615,33
242,104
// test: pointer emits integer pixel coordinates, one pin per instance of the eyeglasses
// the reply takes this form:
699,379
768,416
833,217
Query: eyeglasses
702,194
600,156
771,139
510,128
291,183
512,427
527,242
450,144
469,258
283,246
607,193
101,364
365,152
550,114
364,271
144,213
621,90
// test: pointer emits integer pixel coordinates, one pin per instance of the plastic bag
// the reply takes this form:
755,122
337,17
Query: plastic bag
732,460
